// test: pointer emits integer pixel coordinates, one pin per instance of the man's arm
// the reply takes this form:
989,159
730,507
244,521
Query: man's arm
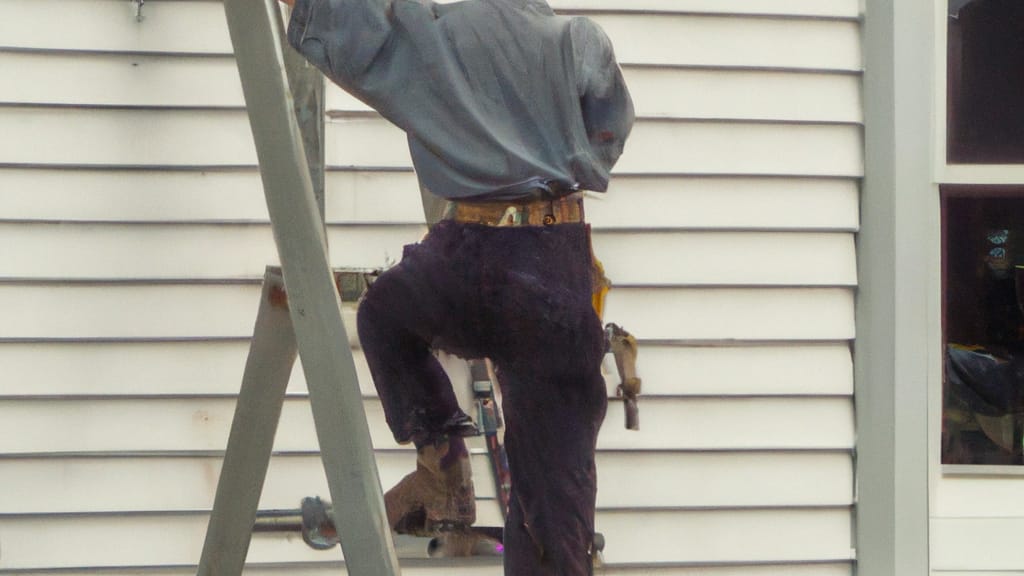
606,105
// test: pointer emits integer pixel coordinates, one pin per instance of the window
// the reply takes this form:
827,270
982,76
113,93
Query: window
985,83
983,234
983,279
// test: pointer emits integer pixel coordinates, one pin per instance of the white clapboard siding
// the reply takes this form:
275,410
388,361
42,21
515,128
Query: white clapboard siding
141,368
198,27
182,137
734,313
814,8
742,203
491,569
166,251
976,545
739,94
729,258
749,94
104,251
110,25
128,183
173,137
659,147
112,79
656,480
194,196
201,424
107,79
102,311
733,203
979,496
775,536
822,369
731,41
154,368
91,485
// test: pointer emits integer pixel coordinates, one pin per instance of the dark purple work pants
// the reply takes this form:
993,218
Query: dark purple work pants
520,296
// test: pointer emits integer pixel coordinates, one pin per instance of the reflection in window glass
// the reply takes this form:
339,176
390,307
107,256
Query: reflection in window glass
983,328
986,81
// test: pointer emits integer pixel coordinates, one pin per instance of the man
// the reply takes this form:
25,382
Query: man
510,112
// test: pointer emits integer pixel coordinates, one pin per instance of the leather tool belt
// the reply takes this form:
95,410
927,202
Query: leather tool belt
542,212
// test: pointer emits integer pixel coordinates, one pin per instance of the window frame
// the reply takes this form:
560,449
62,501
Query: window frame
1003,177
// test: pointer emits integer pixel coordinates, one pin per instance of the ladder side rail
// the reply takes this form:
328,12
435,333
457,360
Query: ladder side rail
250,443
314,304
309,94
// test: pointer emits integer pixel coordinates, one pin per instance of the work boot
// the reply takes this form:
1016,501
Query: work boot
438,495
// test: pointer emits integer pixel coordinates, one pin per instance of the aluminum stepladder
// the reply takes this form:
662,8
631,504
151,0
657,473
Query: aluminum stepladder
307,320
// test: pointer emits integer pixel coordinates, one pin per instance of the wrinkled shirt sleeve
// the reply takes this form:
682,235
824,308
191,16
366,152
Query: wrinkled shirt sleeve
604,99
377,50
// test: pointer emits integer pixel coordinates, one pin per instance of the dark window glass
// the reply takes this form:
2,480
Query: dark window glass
986,81
983,325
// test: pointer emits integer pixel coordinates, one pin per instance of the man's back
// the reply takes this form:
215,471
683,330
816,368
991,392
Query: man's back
500,98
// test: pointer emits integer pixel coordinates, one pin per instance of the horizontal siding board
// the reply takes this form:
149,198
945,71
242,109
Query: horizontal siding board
723,480
141,311
171,251
732,41
193,81
110,25
629,480
739,148
153,540
976,572
735,424
131,195
478,569
105,485
127,137
215,368
219,138
745,95
683,93
90,79
159,369
817,369
735,203
194,196
732,203
716,537
656,147
87,426
734,313
228,311
976,544
139,368
983,496
751,536
199,27
821,8
363,197
696,258
92,251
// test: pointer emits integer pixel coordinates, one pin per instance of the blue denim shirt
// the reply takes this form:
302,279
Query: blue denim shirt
500,99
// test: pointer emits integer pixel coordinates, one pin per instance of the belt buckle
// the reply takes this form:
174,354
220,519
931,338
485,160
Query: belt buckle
513,216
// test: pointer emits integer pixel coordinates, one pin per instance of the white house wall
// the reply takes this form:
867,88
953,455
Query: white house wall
136,232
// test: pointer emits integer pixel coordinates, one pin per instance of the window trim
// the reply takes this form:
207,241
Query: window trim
958,175
945,172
